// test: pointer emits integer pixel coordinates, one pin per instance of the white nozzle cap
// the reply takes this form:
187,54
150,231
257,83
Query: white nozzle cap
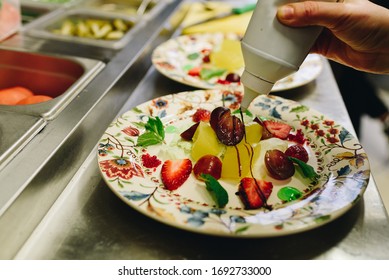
253,86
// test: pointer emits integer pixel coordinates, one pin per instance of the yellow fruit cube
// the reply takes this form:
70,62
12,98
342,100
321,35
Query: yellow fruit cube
238,160
205,142
229,56
253,133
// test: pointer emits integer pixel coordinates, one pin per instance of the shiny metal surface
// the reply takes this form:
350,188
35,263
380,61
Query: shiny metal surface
50,5
32,181
126,7
89,222
31,13
15,132
57,76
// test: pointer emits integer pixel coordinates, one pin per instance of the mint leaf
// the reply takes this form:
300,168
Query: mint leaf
218,193
207,74
139,124
307,170
148,139
156,126
155,133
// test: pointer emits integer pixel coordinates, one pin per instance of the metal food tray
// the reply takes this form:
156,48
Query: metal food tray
58,76
48,5
137,8
31,13
42,27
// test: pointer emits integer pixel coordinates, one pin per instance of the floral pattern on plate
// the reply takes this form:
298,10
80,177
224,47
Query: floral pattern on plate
176,56
133,173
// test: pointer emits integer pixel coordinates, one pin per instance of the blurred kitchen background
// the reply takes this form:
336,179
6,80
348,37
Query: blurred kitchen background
376,142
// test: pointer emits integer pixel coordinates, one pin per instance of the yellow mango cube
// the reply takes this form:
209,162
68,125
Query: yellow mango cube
229,56
253,133
238,160
205,142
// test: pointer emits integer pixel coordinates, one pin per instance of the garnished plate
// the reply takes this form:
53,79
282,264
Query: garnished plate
180,57
133,173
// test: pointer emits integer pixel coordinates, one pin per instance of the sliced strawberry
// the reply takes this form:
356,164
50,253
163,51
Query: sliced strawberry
201,115
174,173
254,192
277,129
265,133
188,134
195,71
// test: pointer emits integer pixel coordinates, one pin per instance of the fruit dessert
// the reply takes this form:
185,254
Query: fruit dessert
220,63
253,153
211,60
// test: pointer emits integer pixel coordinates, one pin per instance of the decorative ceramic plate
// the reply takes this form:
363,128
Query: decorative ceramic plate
176,57
133,172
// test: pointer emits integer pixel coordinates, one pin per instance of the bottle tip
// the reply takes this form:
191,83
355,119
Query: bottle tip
248,96
251,82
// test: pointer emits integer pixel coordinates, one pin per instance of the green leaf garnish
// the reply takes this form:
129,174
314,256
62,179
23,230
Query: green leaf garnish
207,74
218,193
193,56
246,112
155,133
307,170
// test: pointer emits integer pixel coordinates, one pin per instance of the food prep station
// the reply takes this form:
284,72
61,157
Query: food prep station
53,201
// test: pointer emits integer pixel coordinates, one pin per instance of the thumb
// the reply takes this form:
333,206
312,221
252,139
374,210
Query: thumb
307,13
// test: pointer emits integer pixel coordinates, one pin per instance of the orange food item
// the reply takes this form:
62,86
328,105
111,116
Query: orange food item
11,96
34,99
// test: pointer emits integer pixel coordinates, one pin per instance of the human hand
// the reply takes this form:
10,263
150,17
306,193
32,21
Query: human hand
356,31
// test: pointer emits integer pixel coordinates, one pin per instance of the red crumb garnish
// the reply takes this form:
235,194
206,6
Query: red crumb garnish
298,137
150,161
201,115
223,82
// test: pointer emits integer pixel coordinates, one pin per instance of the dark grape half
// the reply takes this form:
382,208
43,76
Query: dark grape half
229,129
278,165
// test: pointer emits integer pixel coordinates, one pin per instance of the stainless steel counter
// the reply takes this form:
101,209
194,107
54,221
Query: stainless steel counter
65,210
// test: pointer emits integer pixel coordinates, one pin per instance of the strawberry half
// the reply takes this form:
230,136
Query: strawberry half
174,173
254,192
195,71
277,129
